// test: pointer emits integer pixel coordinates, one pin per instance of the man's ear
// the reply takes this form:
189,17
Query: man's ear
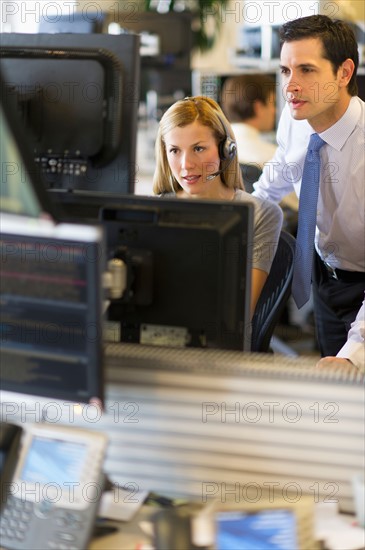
346,71
258,106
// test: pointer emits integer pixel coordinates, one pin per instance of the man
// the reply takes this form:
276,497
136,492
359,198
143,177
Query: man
319,60
248,102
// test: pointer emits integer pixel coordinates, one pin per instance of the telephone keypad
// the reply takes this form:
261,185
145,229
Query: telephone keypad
15,522
55,524
15,519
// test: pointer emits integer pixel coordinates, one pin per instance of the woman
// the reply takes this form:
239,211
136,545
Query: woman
196,158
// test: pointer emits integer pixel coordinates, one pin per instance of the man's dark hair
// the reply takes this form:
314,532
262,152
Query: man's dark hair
337,37
239,93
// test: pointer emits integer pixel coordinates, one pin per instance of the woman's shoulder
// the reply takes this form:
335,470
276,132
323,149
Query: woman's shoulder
264,206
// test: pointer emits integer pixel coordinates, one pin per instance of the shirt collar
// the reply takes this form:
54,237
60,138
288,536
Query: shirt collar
337,135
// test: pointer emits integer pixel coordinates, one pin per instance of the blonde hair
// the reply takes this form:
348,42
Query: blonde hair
185,112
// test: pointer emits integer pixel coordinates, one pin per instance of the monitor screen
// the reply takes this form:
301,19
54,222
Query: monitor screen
51,330
187,271
166,41
264,530
85,21
78,96
21,189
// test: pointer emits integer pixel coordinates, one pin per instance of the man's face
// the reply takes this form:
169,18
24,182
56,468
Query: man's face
313,91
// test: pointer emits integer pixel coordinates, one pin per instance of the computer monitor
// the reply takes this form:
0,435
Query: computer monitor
51,309
21,189
78,97
167,40
81,22
187,267
50,292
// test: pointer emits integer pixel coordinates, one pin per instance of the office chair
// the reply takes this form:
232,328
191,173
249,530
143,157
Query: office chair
274,295
250,174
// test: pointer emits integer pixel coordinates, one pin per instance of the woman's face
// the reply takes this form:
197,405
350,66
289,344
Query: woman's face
192,154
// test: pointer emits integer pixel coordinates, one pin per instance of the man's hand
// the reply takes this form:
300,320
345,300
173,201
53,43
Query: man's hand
333,362
337,364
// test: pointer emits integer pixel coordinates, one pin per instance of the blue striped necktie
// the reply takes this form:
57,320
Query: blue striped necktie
307,222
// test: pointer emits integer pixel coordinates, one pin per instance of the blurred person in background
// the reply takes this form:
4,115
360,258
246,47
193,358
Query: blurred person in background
249,103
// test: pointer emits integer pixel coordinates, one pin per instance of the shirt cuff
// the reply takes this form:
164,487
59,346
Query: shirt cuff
355,352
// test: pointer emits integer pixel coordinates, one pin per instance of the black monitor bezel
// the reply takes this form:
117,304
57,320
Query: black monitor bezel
119,175
11,116
156,206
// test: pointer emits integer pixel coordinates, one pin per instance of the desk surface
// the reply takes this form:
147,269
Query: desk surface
130,536
120,540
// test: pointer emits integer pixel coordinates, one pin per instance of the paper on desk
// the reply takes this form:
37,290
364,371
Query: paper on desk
335,531
349,539
121,504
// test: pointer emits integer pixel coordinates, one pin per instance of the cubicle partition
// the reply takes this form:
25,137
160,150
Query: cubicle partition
224,424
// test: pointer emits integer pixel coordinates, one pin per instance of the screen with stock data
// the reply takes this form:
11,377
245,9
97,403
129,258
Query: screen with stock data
51,310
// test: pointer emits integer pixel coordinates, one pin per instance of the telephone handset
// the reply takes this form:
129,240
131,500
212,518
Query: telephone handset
54,494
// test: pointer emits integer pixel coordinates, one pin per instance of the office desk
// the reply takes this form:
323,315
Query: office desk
130,536
121,540
181,422
175,417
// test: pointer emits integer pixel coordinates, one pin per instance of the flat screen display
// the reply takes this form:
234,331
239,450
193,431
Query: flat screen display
188,266
54,460
77,97
51,314
264,530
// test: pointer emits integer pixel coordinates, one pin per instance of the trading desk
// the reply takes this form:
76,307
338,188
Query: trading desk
331,533
127,536
201,424
197,423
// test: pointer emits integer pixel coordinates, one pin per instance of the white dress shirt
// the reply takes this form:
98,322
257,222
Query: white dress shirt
354,349
251,147
340,232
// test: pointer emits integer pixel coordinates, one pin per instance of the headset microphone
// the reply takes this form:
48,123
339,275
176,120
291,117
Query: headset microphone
215,174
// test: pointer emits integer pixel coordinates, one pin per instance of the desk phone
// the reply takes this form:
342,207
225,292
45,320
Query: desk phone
54,494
